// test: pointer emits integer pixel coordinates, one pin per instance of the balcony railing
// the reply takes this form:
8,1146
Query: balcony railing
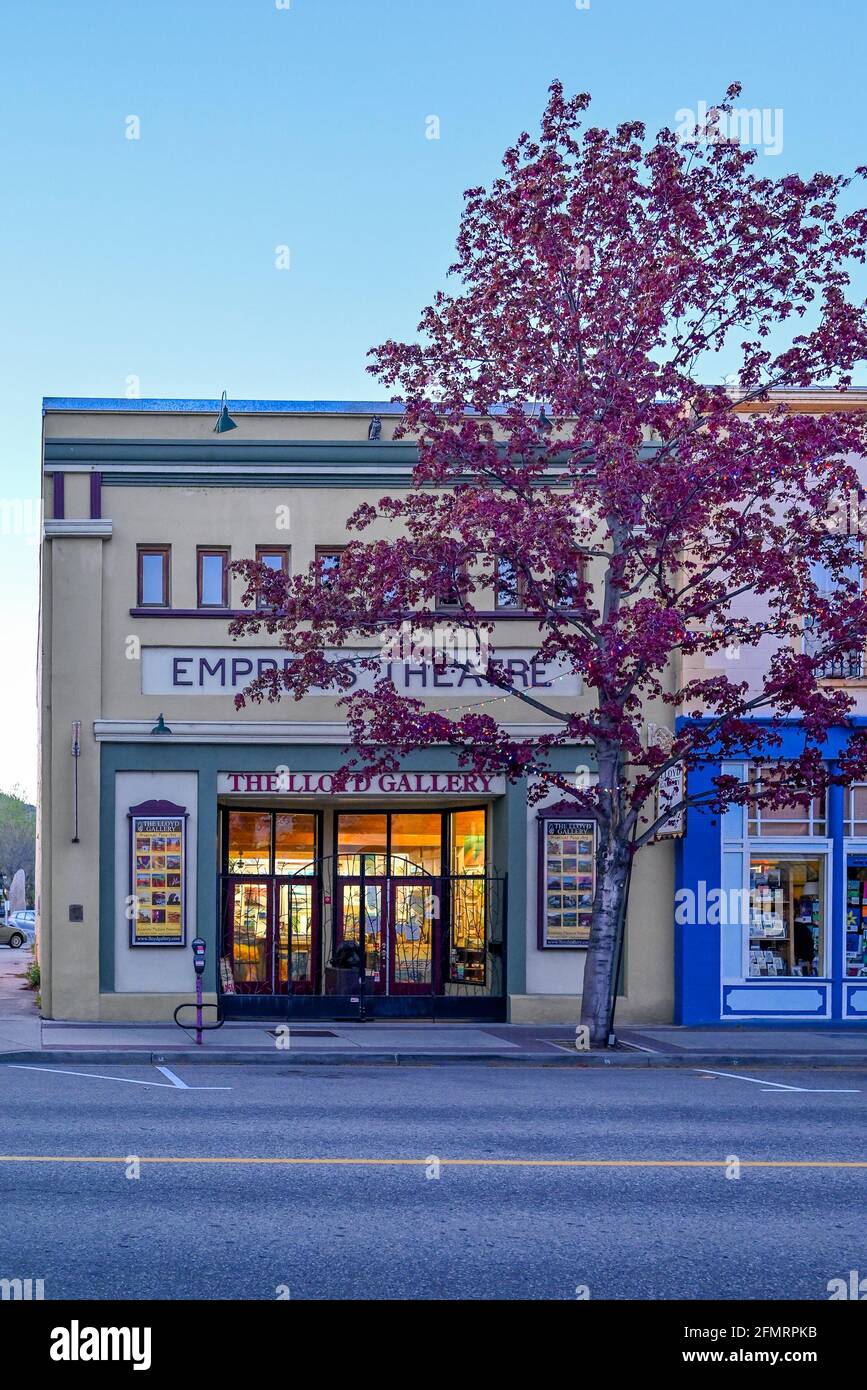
844,666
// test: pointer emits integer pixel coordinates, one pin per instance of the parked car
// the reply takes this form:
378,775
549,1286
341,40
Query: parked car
18,929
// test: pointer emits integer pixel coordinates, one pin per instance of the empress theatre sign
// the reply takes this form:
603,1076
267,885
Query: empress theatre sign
227,670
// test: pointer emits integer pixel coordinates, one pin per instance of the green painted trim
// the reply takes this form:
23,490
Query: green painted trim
106,871
207,759
233,453
510,839
400,477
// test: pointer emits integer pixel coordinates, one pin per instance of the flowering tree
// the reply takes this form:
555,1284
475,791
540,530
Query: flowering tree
649,520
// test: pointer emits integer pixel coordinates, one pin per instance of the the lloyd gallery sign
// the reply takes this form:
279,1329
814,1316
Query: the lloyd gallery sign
227,670
282,782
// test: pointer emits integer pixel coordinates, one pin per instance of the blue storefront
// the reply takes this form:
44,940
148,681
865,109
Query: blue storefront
771,906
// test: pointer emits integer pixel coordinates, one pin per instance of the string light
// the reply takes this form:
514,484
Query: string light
496,700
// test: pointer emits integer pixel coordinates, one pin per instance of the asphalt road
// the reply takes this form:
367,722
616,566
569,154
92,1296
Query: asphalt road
340,1230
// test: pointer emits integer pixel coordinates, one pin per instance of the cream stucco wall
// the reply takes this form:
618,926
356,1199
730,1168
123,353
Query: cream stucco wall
90,646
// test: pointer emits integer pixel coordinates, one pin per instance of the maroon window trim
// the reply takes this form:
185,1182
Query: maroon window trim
283,551
453,605
59,505
165,551
224,553
322,552
520,597
570,582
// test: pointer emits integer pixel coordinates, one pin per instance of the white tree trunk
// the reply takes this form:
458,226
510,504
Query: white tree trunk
608,910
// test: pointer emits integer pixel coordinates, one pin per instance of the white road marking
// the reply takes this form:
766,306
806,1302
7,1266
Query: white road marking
128,1080
175,1080
92,1075
770,1087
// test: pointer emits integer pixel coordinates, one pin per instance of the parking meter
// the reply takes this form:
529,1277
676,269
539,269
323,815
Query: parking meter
198,949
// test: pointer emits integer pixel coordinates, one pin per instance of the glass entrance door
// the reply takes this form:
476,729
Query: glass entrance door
295,936
413,919
365,903
271,897
271,935
249,936
400,919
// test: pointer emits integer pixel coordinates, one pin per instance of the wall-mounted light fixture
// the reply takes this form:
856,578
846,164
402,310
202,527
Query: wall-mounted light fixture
225,421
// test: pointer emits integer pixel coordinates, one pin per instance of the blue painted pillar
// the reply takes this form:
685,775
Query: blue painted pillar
697,944
835,908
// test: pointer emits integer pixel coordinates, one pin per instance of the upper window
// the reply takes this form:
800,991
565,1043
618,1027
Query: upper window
568,583
453,588
270,842
787,818
154,574
274,557
856,810
508,585
213,577
849,663
328,563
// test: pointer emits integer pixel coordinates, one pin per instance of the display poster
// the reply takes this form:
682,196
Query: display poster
568,882
158,878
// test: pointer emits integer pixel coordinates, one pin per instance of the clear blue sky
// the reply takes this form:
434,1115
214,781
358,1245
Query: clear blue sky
306,127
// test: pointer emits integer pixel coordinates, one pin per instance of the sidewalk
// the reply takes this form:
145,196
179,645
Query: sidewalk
34,1040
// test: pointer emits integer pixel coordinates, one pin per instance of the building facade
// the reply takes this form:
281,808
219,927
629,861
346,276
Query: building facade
166,813
770,911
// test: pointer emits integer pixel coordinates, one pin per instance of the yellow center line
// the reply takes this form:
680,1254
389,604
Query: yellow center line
444,1162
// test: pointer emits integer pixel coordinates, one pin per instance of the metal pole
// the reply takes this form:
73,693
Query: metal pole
76,754
362,935
199,1010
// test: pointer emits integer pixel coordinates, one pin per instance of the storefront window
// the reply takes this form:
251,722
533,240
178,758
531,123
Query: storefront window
468,842
365,834
294,844
785,819
467,953
416,843
249,849
787,915
856,915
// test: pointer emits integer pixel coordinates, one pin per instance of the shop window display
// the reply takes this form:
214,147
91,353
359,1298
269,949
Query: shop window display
856,916
786,915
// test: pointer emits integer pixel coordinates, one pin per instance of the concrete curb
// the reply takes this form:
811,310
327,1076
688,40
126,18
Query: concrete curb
288,1058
